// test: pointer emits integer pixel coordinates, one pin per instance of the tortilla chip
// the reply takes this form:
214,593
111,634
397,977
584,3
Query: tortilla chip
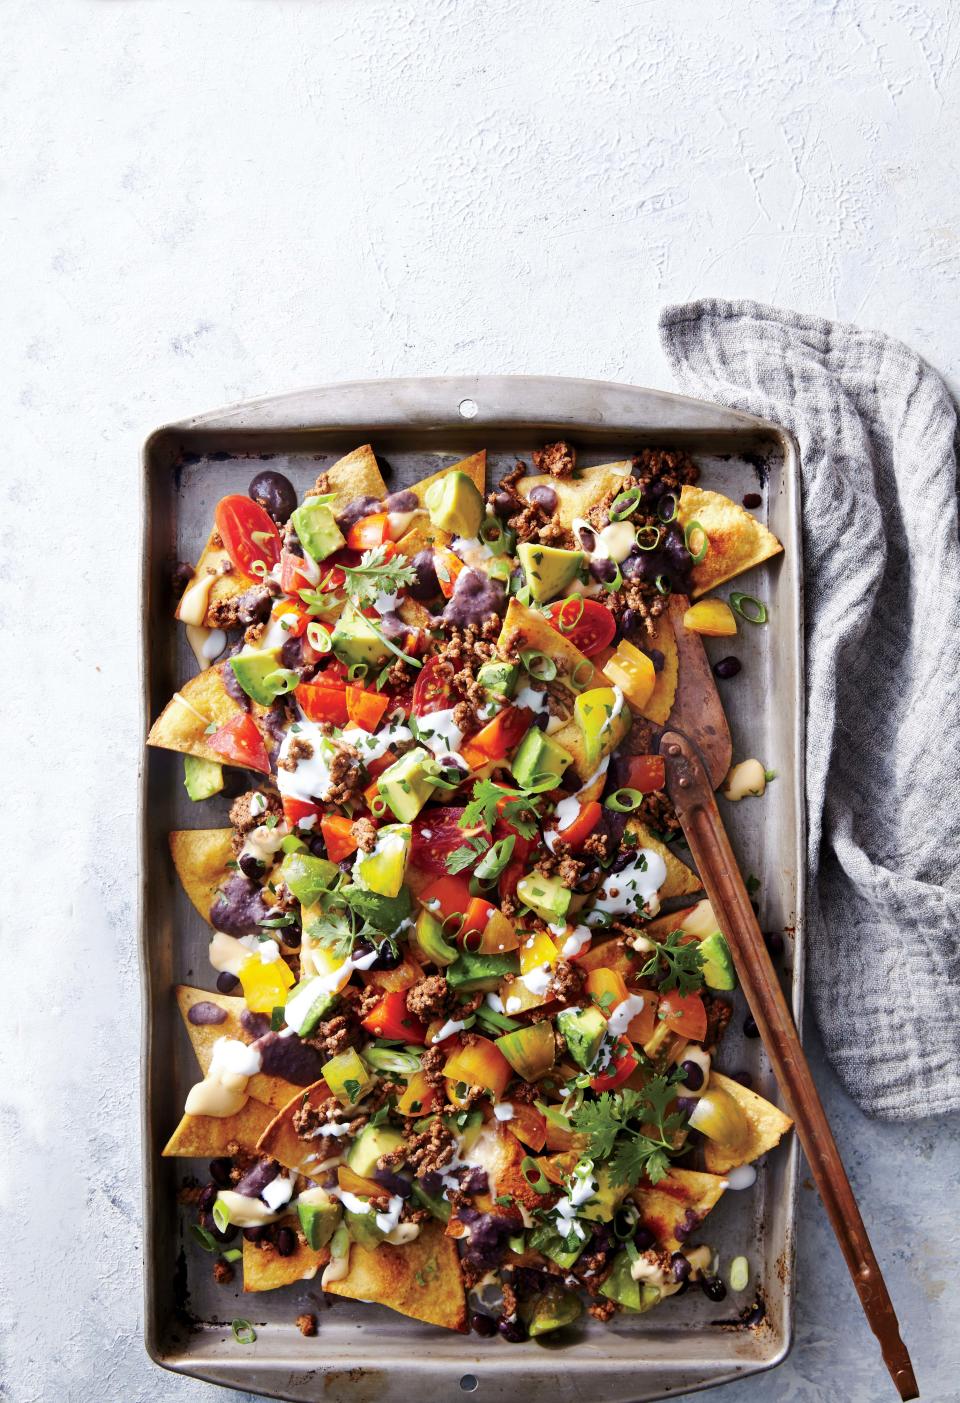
414,614
205,1137
226,585
279,1139
576,495
272,1091
423,535
182,724
538,634
768,1125
200,856
356,475
264,1269
681,880
421,1279
737,539
664,1207
660,705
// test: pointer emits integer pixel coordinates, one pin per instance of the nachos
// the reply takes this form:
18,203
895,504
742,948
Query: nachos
455,1058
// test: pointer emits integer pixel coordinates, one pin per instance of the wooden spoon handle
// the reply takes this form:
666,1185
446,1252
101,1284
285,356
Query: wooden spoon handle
696,808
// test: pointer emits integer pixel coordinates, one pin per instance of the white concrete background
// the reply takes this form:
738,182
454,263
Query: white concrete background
211,200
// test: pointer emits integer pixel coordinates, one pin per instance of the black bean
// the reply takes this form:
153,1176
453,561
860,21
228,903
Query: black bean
220,1171
713,1288
257,1234
774,942
250,866
752,499
643,1239
543,495
727,667
388,956
513,1331
181,577
750,1028
603,570
503,505
285,1241
227,982
483,1324
692,1075
403,501
275,493
207,1198
680,1266
587,538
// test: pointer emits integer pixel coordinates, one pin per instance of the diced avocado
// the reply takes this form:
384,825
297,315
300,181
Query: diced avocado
455,505
356,641
531,1051
439,1207
319,1216
319,1009
548,569
539,762
428,937
547,896
317,529
551,1309
201,778
363,1229
346,1076
468,1133
546,1240
470,972
261,676
718,971
621,1287
606,1200
372,1142
499,679
385,913
382,870
408,783
308,876
584,1030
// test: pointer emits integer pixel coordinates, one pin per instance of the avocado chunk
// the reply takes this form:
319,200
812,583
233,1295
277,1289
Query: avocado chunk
551,1309
362,1228
718,971
468,1133
546,1240
438,1206
356,641
428,937
319,1216
385,913
584,1030
548,569
499,679
320,1007
539,762
308,876
621,1287
531,1051
261,676
546,896
372,1142
470,972
606,1199
455,505
201,778
408,783
382,870
317,529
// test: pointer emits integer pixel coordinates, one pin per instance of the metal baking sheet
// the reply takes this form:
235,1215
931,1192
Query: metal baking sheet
366,1353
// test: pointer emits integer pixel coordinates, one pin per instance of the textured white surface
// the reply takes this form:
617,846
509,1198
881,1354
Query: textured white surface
205,201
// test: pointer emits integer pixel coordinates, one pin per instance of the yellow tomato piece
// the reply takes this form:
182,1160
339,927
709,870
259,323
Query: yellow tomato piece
418,1098
633,672
536,951
712,617
607,989
265,985
481,1063
499,935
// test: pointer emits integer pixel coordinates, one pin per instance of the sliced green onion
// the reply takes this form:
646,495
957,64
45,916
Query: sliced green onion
490,1018
243,1332
648,537
499,538
688,534
261,537
540,782
277,1019
495,859
517,1242
283,680
631,1250
739,1275
391,1059
611,586
452,925
220,1215
625,505
623,801
206,1239
319,637
500,569
233,1254
524,596
538,665
564,624
625,1222
472,940
554,1117
356,672
663,584
378,806
673,509
582,675
739,603
534,1175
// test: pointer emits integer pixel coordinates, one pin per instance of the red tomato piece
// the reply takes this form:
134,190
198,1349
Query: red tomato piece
321,702
432,690
240,743
645,773
586,623
436,833
577,832
623,1063
296,810
390,1018
366,708
447,896
686,1016
293,617
250,537
498,737
293,574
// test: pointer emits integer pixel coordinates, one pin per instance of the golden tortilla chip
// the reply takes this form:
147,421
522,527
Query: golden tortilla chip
264,1269
422,535
737,539
421,1279
768,1125
356,475
279,1139
537,633
200,856
414,614
272,1091
205,1137
681,881
576,495
182,724
225,585
664,1206
660,705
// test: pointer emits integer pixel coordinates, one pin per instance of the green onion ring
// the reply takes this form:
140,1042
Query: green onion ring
611,586
356,672
453,931
495,859
657,533
737,602
540,783
688,531
668,497
578,683
243,1332
625,504
378,806
663,584
623,801
206,1239
220,1216
625,1222
472,940
538,665
539,1180
578,601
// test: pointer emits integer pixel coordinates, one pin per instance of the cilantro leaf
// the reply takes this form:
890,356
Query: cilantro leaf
376,575
684,965
467,854
519,810
633,1130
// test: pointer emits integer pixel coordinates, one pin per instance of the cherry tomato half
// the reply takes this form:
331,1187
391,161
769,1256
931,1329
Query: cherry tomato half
240,743
587,624
249,535
432,690
436,833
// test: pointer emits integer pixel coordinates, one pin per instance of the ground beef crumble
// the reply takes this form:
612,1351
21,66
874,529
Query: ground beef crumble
567,983
365,832
558,459
658,813
222,1272
430,998
429,1151
251,810
719,1013
306,1324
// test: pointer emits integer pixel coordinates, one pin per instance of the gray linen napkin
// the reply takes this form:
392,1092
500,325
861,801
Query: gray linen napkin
877,434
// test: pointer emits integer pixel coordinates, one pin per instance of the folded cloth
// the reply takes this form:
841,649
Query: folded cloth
877,435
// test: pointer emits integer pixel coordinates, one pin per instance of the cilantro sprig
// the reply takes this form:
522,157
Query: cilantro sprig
376,575
467,854
633,1131
683,965
519,810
